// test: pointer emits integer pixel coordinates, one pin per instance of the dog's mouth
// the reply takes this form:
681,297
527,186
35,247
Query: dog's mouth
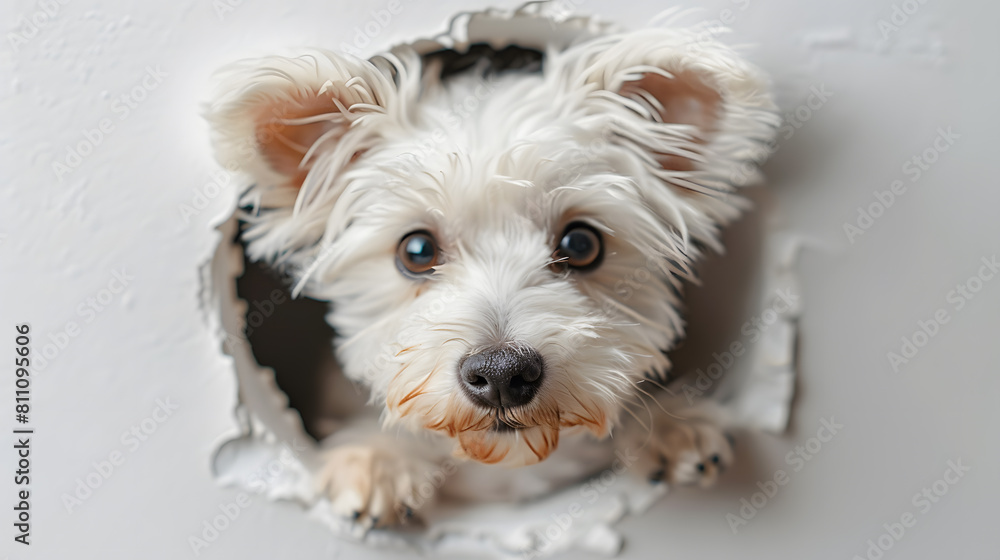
501,426
512,436
506,420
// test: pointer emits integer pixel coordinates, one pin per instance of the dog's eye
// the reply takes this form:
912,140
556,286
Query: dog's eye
579,248
417,253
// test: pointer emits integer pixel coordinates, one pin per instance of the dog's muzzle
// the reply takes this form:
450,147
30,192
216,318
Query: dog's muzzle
501,377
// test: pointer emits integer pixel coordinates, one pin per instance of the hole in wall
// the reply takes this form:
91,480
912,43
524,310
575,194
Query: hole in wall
299,392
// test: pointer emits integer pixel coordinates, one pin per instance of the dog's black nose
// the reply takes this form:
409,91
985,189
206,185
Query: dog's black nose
501,376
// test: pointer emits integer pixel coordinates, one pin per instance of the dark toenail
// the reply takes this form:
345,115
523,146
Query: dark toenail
657,476
701,467
374,521
730,439
356,515
715,459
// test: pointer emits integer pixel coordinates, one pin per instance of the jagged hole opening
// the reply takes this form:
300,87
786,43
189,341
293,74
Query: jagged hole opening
291,337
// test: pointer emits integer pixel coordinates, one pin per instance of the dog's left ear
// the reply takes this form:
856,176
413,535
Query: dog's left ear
690,103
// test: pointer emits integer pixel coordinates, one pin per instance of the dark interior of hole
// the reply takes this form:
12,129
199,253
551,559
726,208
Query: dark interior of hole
486,59
292,337
716,310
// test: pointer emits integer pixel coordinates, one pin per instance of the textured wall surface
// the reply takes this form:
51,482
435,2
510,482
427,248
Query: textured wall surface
107,193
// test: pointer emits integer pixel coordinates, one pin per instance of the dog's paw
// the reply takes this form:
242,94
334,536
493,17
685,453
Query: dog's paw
690,452
372,486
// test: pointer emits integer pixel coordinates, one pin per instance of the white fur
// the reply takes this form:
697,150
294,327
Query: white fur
496,186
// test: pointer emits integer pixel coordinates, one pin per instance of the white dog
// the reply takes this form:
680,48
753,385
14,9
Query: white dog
472,218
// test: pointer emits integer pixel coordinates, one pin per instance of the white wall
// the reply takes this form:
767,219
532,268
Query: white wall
63,237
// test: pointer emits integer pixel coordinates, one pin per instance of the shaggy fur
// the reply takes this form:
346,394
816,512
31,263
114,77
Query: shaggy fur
641,135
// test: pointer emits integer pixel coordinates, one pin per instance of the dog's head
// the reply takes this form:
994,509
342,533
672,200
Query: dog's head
504,254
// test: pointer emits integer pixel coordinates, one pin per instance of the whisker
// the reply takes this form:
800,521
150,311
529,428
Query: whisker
648,429
658,403
551,262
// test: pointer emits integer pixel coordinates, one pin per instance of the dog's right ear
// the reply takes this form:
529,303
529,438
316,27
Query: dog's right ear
290,124
270,116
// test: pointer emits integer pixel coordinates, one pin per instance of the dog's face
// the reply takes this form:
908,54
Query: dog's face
503,255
